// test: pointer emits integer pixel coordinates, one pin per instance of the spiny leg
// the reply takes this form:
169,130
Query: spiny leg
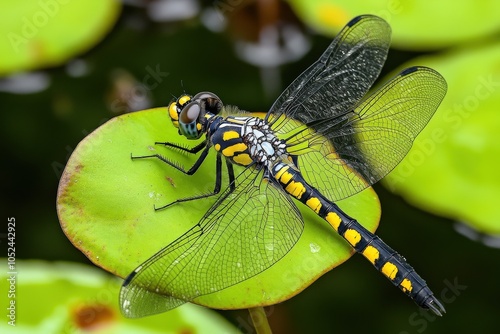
192,150
193,169
218,181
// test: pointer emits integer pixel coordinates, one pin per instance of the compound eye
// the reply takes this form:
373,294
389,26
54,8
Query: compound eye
210,102
205,95
190,113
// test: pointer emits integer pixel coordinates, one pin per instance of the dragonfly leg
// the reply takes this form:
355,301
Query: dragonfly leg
191,170
192,150
218,181
174,164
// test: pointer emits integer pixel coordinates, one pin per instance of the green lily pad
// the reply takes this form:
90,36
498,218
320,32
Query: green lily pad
61,297
416,24
452,169
105,206
49,32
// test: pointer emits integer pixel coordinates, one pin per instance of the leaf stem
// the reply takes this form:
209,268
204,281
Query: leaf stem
259,320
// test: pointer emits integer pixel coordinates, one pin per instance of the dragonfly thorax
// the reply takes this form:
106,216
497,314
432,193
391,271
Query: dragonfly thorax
263,145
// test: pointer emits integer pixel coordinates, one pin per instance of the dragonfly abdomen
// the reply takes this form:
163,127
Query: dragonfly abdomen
391,264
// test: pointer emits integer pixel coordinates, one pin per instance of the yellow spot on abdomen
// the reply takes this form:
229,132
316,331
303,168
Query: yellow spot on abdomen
352,236
243,159
389,270
285,177
231,150
333,219
314,204
406,285
371,253
281,171
230,135
296,189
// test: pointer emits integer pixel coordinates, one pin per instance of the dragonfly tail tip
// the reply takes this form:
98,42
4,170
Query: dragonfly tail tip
434,305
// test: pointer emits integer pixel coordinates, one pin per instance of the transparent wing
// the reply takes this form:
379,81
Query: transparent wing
339,79
245,232
344,154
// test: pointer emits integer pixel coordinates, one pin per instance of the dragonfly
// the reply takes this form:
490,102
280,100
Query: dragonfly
321,141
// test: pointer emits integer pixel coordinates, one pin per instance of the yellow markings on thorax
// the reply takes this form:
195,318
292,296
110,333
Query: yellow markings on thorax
389,270
231,150
352,236
406,285
371,253
217,147
296,189
227,135
314,203
243,159
235,121
333,219
198,126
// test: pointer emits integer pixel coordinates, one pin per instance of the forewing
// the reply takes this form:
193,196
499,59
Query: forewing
347,153
339,79
245,232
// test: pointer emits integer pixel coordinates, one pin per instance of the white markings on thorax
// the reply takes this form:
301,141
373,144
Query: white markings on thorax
263,144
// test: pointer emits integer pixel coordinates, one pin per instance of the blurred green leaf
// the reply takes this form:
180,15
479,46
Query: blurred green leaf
416,24
63,297
40,33
453,167
105,206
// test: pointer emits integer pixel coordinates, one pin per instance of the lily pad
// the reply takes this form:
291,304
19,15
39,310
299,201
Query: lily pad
105,206
416,24
452,169
64,297
45,33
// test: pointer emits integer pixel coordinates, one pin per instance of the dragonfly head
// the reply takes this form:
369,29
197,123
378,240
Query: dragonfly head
190,113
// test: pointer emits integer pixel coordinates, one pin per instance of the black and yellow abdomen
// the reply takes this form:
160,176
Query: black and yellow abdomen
384,258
